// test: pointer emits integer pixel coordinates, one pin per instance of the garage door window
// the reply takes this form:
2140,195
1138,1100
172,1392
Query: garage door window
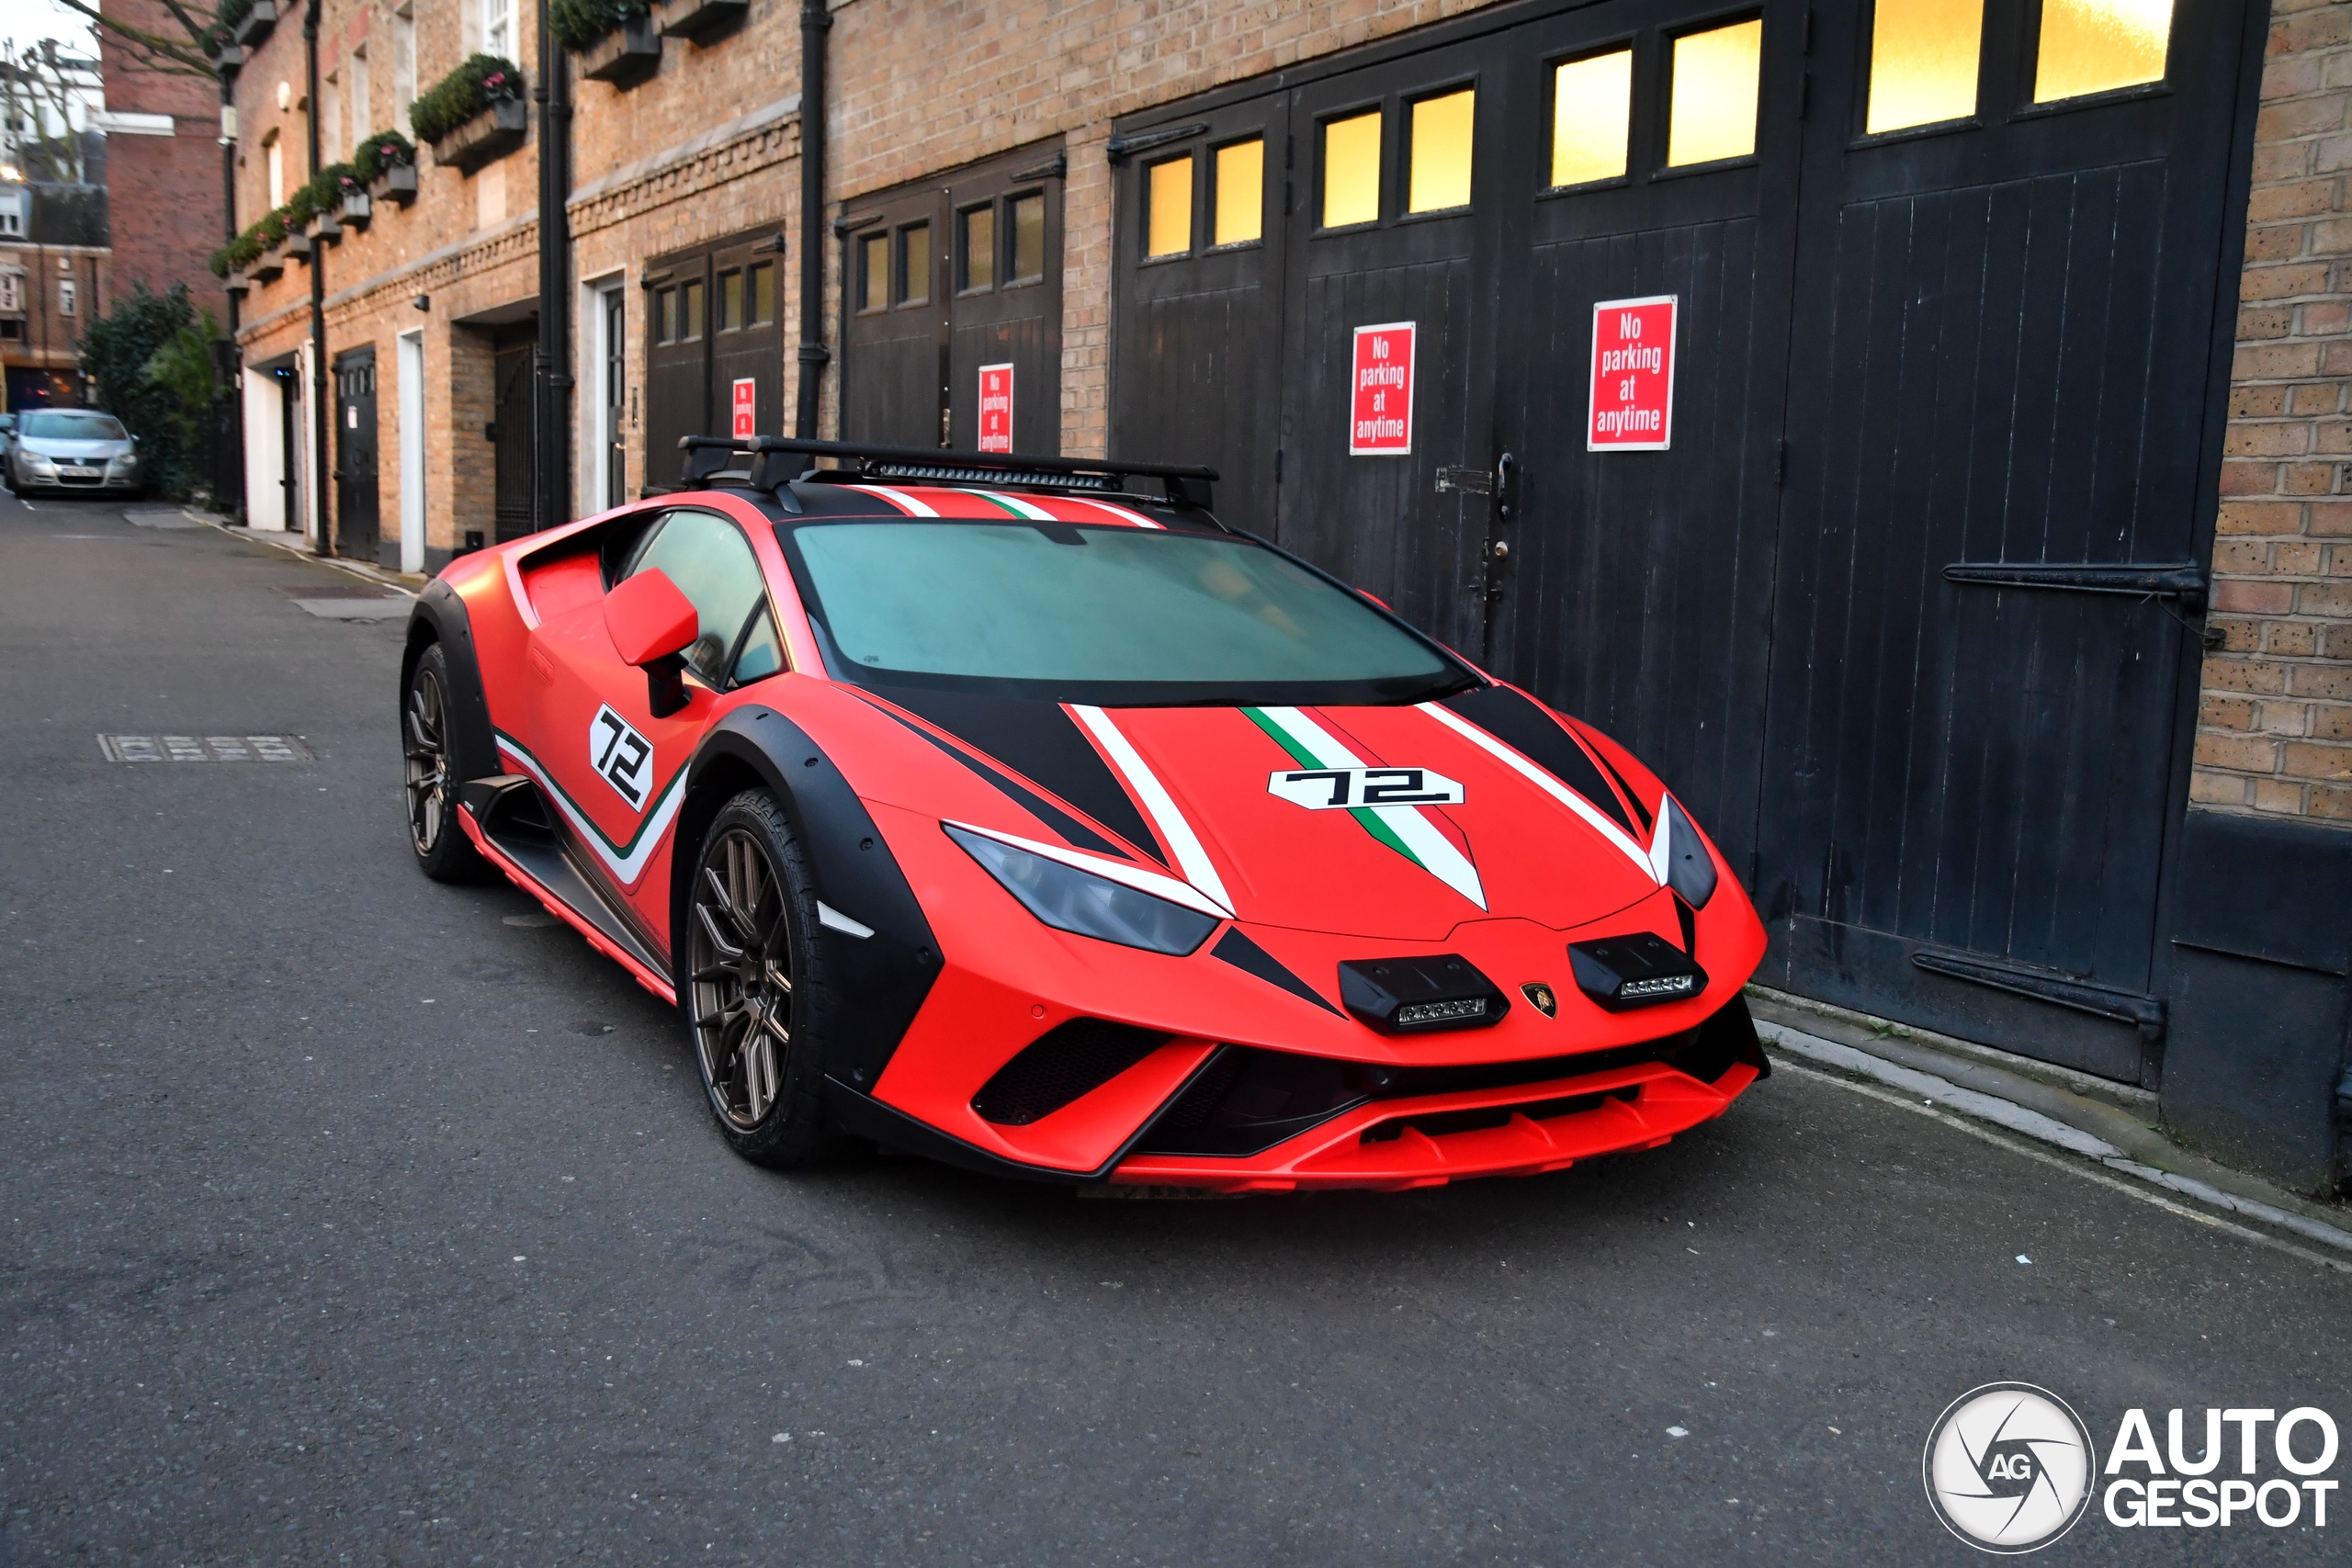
1241,193
1592,106
1713,113
1439,174
1351,170
978,248
1028,214
874,272
2097,46
1923,61
1167,192
914,265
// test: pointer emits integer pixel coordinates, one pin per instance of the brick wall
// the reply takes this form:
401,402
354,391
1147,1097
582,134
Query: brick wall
163,192
2275,716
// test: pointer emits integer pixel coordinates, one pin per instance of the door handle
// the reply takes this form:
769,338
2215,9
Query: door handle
2151,580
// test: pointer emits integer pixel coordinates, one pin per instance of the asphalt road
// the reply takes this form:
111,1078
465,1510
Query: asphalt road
351,1218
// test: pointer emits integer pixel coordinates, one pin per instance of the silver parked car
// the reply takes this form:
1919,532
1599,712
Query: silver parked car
73,449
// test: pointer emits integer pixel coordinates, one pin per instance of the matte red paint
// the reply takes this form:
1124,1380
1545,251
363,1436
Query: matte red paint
1311,888
649,618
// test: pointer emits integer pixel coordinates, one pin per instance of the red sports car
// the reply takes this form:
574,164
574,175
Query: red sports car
1015,812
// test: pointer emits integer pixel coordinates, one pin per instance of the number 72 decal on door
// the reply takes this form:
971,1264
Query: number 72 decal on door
620,756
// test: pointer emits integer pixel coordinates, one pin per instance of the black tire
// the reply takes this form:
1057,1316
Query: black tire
752,985
442,851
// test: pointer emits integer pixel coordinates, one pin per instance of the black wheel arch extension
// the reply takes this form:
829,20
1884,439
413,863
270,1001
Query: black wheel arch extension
440,616
877,983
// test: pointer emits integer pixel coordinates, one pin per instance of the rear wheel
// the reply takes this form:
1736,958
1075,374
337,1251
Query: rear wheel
751,986
442,851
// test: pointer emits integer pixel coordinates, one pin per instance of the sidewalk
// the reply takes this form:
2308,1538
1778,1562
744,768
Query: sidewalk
2092,1124
300,545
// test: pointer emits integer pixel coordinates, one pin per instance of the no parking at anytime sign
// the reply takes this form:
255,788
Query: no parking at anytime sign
1632,375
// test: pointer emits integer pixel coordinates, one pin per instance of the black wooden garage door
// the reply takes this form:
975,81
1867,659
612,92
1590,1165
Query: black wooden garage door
943,277
714,334
1950,290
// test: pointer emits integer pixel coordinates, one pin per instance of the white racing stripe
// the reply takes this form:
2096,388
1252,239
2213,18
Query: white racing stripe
1137,518
897,497
1132,876
1432,849
626,868
1584,808
1193,860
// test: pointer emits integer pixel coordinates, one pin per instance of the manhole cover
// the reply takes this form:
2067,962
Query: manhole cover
205,749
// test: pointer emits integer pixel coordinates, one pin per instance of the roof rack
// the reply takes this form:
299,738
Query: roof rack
707,457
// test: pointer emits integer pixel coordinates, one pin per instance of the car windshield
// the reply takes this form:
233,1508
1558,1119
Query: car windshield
1114,615
71,427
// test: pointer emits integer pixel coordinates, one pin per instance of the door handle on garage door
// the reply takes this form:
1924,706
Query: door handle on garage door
2155,579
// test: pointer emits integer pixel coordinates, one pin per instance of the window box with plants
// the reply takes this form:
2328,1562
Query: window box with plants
238,262
385,165
700,19
617,40
267,238
474,114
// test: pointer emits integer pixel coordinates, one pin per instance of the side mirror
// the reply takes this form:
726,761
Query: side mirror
651,624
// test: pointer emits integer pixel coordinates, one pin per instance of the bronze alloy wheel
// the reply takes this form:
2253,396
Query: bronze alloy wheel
427,761
741,948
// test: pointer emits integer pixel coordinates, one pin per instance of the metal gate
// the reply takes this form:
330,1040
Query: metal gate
355,501
942,277
1920,328
714,326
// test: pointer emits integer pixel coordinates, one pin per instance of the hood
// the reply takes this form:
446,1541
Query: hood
50,447
1399,823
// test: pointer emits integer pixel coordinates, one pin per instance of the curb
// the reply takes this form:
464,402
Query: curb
2086,1128
298,546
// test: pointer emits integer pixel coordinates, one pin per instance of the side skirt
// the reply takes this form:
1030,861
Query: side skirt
532,858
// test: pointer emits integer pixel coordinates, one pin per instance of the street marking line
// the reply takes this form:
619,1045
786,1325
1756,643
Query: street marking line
1977,1130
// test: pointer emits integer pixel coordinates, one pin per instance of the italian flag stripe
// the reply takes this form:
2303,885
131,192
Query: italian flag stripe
1402,828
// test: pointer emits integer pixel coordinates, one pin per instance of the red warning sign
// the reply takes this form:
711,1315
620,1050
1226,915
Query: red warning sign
1380,417
995,408
747,410
1633,374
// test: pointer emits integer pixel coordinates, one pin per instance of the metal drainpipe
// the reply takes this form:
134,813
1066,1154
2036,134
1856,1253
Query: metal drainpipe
551,469
320,411
816,21
227,75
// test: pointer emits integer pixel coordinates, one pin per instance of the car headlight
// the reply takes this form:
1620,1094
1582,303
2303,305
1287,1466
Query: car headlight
35,460
1072,900
1690,869
128,460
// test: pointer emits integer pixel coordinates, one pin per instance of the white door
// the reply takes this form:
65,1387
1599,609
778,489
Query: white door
411,433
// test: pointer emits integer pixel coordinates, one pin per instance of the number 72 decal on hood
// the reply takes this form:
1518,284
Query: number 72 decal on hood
1344,789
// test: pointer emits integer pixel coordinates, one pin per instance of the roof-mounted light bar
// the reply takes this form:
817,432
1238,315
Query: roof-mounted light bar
771,463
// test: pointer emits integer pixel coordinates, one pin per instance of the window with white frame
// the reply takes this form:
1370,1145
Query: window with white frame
498,28
12,217
69,296
12,291
273,156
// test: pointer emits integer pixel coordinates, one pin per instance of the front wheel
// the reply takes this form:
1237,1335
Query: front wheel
442,851
751,986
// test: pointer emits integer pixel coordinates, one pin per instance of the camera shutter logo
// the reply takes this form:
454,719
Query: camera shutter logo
2008,1468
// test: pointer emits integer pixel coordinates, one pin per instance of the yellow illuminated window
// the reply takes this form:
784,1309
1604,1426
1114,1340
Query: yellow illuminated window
763,294
1714,94
1923,61
731,301
1028,239
1351,170
1241,193
2096,45
1592,103
1168,203
1441,161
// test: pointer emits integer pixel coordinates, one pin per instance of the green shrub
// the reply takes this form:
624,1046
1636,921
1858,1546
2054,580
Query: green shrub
245,250
464,93
578,23
116,351
382,151
327,186
300,209
270,232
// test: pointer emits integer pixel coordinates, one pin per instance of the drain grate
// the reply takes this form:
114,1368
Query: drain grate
205,749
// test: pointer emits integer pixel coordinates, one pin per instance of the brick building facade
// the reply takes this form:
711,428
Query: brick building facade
2232,993
163,161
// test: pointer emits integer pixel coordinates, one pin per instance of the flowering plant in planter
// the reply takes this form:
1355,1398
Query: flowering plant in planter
386,149
482,81
578,23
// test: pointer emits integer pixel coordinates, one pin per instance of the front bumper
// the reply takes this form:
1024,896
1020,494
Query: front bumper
1063,1058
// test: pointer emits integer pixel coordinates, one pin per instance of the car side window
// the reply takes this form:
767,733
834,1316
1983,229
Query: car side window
713,565
761,654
